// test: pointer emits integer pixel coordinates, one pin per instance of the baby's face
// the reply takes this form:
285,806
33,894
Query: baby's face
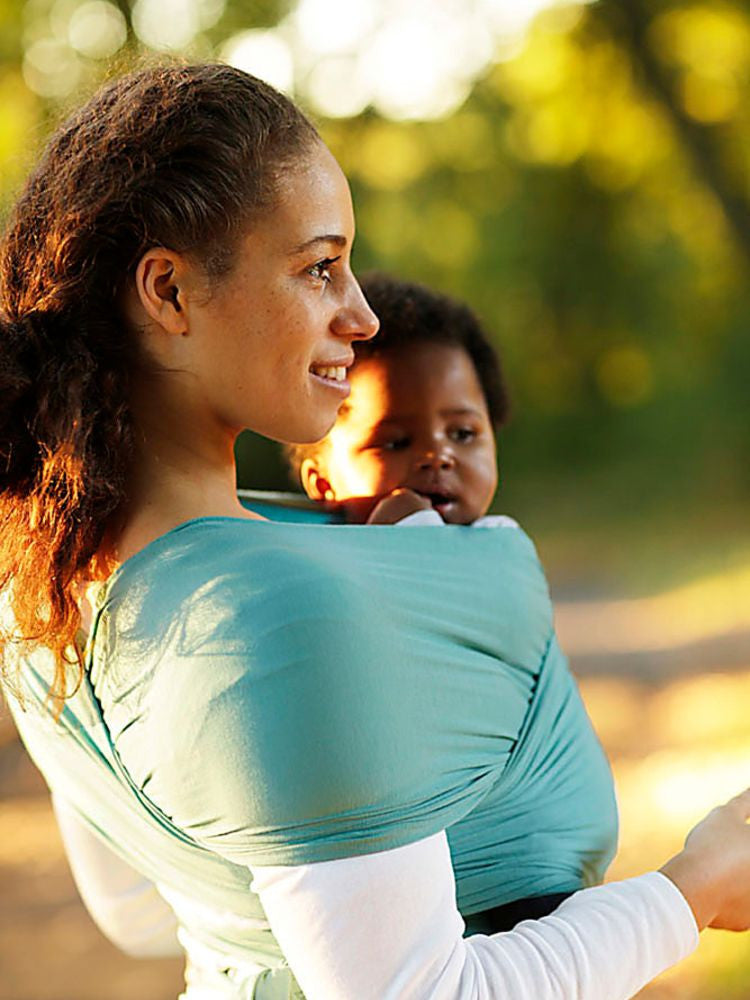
415,419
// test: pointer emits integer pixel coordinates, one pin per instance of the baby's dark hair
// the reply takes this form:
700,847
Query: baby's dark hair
412,314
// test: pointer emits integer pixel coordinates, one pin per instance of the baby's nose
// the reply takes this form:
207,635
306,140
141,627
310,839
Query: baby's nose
436,459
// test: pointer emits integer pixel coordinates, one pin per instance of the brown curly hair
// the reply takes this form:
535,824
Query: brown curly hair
183,156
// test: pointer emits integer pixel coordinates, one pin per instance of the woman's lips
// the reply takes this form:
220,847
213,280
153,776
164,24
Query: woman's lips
335,372
331,376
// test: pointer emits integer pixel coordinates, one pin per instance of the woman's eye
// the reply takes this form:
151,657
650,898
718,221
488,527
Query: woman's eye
321,271
462,434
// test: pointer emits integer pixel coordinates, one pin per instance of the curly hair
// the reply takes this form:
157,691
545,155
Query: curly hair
409,314
183,156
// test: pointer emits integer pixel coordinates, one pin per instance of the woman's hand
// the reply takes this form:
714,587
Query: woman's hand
713,869
398,505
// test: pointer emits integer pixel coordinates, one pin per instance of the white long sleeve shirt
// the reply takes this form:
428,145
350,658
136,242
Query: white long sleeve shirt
385,926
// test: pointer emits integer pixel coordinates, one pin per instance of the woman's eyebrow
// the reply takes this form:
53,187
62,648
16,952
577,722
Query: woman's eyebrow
328,238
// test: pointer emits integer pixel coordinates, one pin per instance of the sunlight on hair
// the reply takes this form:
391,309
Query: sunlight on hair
265,54
97,29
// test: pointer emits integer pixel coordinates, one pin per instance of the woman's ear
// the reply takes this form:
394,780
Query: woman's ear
316,486
160,288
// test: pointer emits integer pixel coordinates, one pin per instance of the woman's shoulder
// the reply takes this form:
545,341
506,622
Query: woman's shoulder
228,583
212,566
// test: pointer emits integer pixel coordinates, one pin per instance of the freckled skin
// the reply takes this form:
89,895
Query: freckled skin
415,421
263,327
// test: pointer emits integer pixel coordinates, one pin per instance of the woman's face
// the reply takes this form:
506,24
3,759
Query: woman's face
273,340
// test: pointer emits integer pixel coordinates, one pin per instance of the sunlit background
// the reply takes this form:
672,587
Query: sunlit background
579,173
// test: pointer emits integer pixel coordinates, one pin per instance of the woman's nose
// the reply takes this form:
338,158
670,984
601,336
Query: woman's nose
355,318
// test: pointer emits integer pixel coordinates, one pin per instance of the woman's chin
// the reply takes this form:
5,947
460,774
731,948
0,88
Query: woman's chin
307,433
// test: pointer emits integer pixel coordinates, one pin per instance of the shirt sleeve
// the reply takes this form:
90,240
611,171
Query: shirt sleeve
124,904
385,927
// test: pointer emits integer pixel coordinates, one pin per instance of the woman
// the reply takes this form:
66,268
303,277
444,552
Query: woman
255,722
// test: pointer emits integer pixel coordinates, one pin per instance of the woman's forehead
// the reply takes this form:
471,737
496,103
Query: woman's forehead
313,205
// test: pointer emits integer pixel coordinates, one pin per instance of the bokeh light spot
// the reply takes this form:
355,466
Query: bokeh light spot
625,375
709,101
390,157
265,54
336,89
392,227
711,39
333,26
450,235
410,66
97,29
51,68
166,25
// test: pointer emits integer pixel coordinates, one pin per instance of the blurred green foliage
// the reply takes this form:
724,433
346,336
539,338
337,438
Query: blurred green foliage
589,199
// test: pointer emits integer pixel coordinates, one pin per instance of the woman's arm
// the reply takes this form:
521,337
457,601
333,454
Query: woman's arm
124,904
385,927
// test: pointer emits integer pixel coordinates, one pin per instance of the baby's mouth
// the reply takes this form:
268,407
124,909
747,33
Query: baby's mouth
440,499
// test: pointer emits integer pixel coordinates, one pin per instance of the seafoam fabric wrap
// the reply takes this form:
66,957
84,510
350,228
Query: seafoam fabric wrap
283,693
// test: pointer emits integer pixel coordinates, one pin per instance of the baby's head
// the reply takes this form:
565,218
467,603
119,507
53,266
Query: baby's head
427,396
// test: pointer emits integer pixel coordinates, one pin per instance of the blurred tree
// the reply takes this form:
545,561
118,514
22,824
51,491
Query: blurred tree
705,102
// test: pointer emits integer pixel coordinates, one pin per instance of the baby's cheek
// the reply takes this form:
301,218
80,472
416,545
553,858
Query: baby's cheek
381,472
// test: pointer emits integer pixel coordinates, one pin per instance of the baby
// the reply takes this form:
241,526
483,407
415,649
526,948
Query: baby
415,444
416,437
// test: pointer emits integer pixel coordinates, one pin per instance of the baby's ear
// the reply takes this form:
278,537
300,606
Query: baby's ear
316,486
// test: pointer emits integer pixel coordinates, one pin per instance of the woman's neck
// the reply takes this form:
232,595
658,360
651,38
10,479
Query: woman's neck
183,466
173,481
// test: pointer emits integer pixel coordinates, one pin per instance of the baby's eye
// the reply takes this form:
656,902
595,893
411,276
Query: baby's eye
462,434
396,444
389,444
321,271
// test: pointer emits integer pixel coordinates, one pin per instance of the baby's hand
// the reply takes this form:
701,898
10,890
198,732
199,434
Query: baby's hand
397,505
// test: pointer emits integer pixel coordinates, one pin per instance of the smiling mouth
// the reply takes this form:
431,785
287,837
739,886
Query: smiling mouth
335,373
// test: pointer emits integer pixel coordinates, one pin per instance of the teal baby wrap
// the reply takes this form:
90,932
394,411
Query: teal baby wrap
280,693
